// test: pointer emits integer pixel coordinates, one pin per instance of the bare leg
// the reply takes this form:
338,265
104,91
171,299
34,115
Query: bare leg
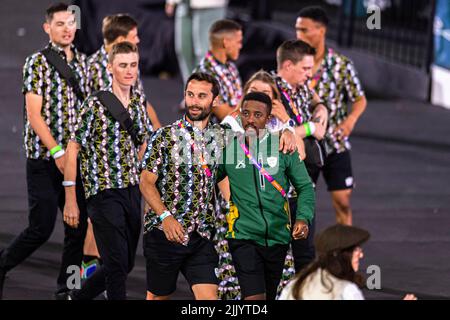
205,291
151,296
341,204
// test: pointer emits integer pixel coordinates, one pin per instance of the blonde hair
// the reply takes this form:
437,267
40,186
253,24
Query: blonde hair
122,47
262,76
265,77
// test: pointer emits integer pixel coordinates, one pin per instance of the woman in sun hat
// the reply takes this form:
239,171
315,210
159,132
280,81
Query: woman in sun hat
333,275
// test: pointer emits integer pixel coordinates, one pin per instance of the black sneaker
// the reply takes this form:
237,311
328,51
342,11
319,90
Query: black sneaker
74,294
61,295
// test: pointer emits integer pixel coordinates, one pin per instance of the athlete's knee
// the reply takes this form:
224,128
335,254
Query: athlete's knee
205,292
261,296
151,296
343,207
40,233
342,203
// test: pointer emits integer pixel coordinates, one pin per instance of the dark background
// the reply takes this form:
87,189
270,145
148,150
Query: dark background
401,153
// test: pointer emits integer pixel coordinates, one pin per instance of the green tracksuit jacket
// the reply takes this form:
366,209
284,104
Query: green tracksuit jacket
258,211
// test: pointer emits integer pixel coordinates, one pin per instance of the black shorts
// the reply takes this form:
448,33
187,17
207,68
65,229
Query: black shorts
337,171
197,261
258,268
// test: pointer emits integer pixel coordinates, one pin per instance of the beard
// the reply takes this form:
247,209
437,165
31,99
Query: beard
206,111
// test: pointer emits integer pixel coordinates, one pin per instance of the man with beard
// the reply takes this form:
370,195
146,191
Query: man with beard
178,179
259,229
178,182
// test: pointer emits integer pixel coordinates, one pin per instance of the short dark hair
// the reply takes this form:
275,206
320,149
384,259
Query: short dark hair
315,13
117,25
56,7
202,76
259,96
293,50
121,48
221,27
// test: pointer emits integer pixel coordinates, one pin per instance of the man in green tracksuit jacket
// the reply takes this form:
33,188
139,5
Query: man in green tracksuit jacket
259,229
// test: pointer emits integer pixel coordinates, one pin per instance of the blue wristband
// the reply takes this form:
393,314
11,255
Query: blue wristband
164,215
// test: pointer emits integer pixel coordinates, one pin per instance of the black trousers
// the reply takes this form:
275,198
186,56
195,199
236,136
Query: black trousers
258,268
303,250
45,195
116,220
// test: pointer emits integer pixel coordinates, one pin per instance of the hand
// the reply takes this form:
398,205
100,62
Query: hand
322,114
60,163
410,296
320,131
71,214
301,230
279,111
287,142
345,128
173,230
301,148
170,8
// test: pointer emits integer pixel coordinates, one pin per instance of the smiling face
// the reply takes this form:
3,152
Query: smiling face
124,68
61,28
199,99
254,116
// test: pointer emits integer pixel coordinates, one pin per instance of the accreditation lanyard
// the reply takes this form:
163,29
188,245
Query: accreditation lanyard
204,164
260,168
298,116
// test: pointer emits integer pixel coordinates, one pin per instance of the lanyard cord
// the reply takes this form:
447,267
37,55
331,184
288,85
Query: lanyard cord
298,116
261,170
202,159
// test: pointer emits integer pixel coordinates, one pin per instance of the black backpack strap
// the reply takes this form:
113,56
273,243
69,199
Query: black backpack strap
118,112
64,70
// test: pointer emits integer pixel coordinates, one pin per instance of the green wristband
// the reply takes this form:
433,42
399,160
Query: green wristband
55,150
307,129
